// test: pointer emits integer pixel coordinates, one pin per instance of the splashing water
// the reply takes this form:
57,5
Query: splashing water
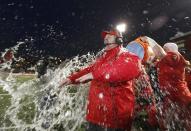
38,104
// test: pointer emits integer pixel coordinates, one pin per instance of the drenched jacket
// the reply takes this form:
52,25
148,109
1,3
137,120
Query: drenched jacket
171,74
111,96
188,79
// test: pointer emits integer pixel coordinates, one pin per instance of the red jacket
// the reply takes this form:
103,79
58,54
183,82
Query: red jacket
171,74
188,79
111,95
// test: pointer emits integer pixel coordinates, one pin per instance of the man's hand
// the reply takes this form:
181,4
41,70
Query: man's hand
66,81
85,78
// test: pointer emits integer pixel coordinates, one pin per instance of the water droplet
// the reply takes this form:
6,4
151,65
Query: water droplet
101,95
107,76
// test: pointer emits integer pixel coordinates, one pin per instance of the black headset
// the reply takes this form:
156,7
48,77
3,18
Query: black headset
119,40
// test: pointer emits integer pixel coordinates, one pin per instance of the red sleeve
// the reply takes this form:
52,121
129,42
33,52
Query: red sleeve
183,94
123,69
188,79
82,72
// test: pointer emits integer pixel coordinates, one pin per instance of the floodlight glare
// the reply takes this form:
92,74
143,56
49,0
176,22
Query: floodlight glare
121,27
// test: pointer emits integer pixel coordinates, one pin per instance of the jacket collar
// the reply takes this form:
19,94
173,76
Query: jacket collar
113,52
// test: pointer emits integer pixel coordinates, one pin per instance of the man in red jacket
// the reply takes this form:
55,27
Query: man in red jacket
111,95
177,100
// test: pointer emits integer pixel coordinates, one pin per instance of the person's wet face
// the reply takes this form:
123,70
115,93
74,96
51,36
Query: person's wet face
110,42
109,39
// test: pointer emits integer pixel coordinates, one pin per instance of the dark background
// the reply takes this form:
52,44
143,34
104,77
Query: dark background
65,28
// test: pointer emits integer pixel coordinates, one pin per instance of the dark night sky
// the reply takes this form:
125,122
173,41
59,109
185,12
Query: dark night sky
69,27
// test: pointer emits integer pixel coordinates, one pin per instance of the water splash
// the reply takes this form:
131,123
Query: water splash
38,104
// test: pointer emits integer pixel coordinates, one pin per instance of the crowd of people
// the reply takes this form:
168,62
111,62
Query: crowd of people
123,87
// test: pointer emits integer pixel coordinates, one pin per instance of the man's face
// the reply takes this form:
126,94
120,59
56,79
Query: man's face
109,39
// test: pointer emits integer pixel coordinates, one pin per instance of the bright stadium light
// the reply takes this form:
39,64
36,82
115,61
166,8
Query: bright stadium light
121,27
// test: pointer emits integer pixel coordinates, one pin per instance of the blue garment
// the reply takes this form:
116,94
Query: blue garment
136,48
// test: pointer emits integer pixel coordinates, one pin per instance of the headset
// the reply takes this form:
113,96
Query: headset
119,40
